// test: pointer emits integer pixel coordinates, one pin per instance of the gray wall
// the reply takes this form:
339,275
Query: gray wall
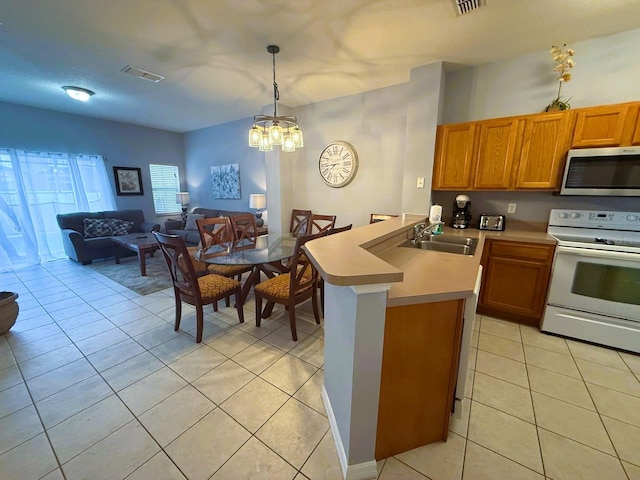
221,145
121,144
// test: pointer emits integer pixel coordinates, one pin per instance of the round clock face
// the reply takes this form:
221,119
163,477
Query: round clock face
338,164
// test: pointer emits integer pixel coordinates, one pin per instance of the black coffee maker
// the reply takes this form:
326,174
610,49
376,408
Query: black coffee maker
461,212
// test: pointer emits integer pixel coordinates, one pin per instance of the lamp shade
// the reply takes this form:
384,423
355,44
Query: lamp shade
183,198
257,200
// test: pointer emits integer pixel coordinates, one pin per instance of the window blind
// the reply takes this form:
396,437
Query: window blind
165,183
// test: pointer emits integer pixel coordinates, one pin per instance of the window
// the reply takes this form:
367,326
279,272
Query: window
165,183
34,187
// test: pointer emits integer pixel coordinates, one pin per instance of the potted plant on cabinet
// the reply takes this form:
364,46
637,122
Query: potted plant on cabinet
564,63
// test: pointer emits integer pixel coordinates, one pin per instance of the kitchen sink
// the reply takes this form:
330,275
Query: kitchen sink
445,243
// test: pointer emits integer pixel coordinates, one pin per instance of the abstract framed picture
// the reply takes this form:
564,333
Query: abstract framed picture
128,181
225,181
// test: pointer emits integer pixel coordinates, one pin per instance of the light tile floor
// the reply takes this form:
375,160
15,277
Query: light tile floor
94,383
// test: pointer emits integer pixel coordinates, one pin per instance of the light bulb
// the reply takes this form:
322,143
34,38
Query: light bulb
275,134
296,136
255,137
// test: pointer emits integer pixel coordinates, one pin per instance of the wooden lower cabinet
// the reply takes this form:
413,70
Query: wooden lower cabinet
515,280
419,371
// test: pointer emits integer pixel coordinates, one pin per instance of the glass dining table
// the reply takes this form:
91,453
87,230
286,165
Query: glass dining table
266,255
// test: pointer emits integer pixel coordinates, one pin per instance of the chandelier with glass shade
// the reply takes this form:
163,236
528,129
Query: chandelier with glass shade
268,131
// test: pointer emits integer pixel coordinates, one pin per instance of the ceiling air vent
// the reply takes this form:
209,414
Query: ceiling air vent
465,6
138,72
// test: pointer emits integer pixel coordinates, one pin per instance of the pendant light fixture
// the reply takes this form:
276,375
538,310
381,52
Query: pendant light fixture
268,131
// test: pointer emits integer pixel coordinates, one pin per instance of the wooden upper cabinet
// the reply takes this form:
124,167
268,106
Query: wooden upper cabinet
454,157
600,126
495,153
544,145
635,140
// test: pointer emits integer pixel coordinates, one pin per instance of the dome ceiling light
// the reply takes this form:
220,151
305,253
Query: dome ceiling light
78,93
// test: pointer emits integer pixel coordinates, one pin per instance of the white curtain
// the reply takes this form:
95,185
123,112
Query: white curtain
34,187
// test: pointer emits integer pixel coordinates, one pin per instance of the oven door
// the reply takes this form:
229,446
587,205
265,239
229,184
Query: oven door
597,281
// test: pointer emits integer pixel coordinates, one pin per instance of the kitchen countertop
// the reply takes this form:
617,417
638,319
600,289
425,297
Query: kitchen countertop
370,255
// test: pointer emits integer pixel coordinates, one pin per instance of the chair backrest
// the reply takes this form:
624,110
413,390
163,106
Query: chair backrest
321,223
243,227
214,231
378,217
303,273
183,274
333,231
300,222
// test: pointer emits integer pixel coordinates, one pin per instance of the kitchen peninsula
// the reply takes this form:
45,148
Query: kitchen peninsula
393,333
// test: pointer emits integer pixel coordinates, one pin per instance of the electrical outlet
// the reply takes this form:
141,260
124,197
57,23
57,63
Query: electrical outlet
420,182
511,208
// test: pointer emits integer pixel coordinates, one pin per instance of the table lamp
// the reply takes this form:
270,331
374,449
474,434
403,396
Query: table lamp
184,199
258,201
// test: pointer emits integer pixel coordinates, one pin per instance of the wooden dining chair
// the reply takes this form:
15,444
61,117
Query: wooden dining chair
216,231
300,222
243,227
322,223
379,217
289,289
190,288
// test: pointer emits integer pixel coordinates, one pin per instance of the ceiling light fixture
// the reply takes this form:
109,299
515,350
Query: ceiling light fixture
78,93
268,131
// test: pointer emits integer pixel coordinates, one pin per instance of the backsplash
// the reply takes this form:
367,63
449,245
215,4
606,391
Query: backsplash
530,206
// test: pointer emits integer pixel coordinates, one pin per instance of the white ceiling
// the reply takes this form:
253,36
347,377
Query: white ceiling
213,52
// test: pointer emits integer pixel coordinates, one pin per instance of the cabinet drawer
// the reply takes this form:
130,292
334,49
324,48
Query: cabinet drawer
527,251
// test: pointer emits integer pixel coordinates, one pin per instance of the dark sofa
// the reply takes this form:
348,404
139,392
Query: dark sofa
85,250
192,237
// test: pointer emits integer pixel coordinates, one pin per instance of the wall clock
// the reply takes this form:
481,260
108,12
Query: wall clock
338,164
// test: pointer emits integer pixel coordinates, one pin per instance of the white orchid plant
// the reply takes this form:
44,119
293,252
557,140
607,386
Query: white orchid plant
562,56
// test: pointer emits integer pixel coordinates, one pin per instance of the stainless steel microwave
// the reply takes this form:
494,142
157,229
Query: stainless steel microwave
602,171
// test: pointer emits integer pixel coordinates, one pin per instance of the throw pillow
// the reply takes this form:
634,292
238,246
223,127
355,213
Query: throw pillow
96,227
191,221
120,227
105,227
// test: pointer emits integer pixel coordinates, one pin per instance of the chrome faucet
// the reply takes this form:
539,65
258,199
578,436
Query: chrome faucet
422,229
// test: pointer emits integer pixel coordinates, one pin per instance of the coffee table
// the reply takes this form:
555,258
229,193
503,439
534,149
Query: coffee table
141,243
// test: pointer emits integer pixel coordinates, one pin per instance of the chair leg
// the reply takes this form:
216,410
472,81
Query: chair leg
314,303
227,302
292,322
239,306
199,323
258,309
178,313
322,295
268,309
215,306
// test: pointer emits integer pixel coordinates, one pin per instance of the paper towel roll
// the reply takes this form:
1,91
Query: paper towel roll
435,213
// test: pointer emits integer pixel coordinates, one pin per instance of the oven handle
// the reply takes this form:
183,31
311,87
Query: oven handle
605,254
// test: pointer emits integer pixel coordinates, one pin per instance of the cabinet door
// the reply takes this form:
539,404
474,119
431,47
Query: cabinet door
495,152
635,140
453,162
600,126
515,280
543,150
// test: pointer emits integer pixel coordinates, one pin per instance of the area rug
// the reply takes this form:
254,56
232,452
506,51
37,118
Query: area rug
127,273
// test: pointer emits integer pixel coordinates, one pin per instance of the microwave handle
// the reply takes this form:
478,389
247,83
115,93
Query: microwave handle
606,254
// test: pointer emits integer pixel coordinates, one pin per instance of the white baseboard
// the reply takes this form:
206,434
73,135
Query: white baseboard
360,471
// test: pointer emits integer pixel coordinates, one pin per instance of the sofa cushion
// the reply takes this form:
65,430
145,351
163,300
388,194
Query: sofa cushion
105,227
191,221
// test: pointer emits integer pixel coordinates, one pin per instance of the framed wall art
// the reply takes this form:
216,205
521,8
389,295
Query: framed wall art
225,181
128,181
